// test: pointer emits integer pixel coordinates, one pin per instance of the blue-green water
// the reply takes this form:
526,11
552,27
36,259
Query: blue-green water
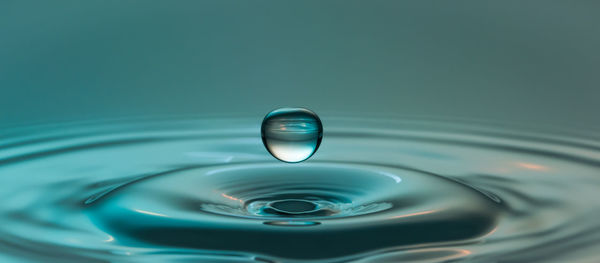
206,190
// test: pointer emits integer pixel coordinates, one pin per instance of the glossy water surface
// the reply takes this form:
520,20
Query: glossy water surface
186,190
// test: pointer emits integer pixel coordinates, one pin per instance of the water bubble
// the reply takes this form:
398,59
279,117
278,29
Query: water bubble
292,134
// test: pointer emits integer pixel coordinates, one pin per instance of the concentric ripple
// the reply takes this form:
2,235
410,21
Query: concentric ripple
184,190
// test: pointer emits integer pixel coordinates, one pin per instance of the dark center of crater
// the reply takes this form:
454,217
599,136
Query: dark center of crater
293,206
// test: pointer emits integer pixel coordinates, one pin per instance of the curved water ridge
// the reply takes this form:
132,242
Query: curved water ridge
179,190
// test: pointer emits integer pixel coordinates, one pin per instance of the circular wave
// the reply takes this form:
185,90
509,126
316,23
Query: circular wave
189,190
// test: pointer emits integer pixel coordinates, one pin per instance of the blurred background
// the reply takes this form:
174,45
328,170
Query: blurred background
516,61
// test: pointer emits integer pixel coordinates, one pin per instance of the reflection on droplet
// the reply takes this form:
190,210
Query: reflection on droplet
292,134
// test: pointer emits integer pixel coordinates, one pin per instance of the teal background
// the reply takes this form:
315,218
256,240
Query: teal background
520,61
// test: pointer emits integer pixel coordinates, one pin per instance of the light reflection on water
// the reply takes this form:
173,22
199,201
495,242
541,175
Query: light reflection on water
179,190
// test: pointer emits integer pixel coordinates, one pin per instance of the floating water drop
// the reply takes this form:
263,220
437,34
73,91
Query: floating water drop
292,134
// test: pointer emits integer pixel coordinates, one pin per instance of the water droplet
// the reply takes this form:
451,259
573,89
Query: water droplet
292,134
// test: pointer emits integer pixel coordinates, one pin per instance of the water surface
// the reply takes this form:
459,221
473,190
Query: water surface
189,190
